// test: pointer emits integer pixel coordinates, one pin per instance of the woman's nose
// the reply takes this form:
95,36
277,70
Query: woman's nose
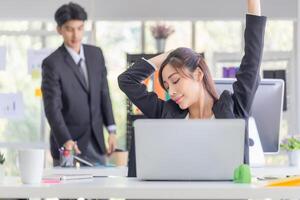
172,92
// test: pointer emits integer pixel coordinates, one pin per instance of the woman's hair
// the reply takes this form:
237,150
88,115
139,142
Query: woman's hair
182,58
70,11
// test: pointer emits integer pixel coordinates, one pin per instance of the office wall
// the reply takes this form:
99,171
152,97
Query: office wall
148,9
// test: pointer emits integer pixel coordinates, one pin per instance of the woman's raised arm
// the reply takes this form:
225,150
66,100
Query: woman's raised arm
254,7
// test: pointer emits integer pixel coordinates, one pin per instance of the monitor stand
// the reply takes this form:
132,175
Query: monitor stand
256,154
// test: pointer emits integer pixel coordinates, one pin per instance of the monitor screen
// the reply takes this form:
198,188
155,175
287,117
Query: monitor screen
266,110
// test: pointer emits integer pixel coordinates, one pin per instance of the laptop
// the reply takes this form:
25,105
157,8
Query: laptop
180,149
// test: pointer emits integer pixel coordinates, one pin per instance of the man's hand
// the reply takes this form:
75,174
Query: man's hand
70,145
112,143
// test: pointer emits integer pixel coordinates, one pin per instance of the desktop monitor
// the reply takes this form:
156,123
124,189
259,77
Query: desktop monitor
266,110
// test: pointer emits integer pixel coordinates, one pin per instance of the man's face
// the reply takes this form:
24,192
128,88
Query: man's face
72,32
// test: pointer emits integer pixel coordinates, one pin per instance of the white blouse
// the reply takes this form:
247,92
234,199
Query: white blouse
188,116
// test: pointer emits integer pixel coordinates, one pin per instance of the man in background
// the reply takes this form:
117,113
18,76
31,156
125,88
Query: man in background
75,92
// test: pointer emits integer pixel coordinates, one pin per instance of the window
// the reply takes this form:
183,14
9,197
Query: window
116,39
182,36
218,36
30,131
279,35
17,40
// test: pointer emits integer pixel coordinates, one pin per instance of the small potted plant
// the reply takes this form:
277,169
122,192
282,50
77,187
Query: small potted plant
161,32
2,160
292,146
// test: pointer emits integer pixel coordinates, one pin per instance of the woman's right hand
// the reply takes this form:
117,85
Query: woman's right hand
157,60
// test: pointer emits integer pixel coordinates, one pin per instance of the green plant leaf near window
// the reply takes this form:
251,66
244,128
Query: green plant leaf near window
2,159
290,144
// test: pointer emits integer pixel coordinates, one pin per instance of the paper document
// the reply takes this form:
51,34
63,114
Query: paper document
2,58
11,105
35,58
64,177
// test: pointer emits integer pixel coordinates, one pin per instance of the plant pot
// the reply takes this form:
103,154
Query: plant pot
294,158
160,45
2,173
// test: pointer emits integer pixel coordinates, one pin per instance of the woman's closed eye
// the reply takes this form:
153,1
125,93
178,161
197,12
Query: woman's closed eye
176,81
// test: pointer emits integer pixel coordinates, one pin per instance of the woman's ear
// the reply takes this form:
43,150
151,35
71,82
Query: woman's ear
198,74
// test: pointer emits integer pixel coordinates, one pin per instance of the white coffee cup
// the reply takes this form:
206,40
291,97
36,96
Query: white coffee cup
31,165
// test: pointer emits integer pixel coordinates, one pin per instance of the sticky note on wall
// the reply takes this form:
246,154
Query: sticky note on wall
38,92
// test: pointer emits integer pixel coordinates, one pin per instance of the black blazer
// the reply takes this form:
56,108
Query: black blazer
73,111
229,105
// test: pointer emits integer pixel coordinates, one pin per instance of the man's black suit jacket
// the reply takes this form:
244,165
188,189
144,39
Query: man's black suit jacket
229,105
73,111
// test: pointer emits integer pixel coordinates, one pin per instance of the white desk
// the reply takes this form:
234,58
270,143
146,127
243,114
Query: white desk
131,188
95,171
275,171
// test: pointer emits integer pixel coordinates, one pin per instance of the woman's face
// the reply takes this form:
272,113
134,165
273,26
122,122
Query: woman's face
184,89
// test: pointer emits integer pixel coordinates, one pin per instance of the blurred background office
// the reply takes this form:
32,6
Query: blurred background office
28,32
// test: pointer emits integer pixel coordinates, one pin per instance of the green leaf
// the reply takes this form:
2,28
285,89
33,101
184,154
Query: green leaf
2,158
291,145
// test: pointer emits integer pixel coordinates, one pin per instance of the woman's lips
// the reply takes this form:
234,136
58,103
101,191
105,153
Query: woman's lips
177,100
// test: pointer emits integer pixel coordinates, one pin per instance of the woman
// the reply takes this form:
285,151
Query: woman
185,75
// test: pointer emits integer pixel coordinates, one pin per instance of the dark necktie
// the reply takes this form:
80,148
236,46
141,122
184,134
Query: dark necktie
82,73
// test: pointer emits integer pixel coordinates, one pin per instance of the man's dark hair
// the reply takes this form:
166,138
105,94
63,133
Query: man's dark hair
70,11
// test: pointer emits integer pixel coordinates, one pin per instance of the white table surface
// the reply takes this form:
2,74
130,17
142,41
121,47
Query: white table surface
95,171
118,186
122,187
275,171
